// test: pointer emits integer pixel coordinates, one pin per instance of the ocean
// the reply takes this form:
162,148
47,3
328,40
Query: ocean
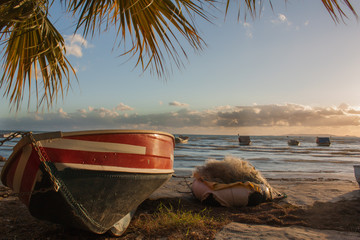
271,155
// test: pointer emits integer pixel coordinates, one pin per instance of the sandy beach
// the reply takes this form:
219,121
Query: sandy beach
313,209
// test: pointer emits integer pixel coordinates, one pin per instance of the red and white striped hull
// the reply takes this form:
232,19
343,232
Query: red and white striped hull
110,152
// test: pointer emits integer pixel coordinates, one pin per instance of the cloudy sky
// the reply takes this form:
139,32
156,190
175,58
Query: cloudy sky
290,71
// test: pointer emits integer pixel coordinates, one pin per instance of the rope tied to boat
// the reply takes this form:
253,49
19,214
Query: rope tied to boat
13,135
44,159
40,151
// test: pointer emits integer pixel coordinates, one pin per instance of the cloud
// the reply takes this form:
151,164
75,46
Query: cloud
178,104
223,108
62,113
74,45
248,29
123,107
38,117
271,116
103,112
82,112
249,35
281,19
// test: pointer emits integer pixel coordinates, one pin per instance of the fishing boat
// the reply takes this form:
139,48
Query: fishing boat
244,140
357,173
91,180
323,141
293,142
182,139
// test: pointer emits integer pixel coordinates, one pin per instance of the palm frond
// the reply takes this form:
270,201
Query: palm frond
336,8
152,27
151,30
336,11
34,50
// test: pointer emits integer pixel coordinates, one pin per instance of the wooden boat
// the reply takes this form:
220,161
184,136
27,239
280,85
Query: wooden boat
182,139
357,173
91,180
323,141
244,140
293,142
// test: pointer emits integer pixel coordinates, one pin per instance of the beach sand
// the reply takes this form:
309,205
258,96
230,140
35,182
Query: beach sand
313,209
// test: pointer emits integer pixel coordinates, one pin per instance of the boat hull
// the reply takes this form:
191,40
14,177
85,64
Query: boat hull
90,180
323,141
357,173
244,140
293,142
182,139
96,210
323,144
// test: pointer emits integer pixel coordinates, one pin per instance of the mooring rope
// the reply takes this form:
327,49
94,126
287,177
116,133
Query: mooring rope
12,136
40,151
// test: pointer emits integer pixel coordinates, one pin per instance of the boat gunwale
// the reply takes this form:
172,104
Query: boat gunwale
59,134
118,131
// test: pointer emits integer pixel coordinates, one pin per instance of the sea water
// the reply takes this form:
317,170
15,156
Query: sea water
271,155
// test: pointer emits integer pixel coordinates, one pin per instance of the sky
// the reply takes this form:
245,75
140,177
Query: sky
291,70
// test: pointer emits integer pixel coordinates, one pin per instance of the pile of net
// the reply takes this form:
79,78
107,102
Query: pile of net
232,182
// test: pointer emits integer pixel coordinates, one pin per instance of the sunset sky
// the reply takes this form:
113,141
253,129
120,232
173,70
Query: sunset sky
292,70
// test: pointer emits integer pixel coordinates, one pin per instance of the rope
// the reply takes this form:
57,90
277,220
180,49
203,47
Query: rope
40,151
57,183
12,136
44,159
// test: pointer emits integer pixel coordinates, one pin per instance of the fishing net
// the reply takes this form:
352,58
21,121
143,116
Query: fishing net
232,178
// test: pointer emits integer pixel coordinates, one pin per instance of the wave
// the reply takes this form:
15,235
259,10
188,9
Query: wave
322,161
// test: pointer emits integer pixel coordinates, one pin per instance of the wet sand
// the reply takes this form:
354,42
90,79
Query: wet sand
314,209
